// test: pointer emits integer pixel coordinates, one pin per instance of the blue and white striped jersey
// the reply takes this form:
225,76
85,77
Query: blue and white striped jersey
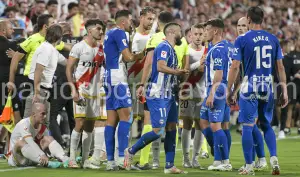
161,84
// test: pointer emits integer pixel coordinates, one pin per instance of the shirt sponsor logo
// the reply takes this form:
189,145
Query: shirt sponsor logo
218,61
164,54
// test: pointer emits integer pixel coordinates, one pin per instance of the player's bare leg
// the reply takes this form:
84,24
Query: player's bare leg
186,142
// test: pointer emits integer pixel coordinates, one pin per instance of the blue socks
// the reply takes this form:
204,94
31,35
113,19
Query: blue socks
123,136
228,135
258,142
221,145
109,134
270,138
209,136
247,143
144,141
170,146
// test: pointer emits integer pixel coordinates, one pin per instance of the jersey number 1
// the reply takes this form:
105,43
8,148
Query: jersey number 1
163,112
261,53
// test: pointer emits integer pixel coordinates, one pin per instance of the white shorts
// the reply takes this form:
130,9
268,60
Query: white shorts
189,109
16,159
95,108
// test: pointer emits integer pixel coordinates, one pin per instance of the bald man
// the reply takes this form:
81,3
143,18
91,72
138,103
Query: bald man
30,139
242,26
6,50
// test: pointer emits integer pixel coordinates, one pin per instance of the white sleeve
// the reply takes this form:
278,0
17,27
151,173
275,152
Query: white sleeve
34,146
75,51
43,56
194,66
62,60
27,136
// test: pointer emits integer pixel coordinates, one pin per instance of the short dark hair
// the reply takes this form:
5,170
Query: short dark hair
146,10
43,20
215,22
169,25
51,2
165,17
40,2
72,5
10,8
256,14
187,31
92,22
198,25
54,33
122,13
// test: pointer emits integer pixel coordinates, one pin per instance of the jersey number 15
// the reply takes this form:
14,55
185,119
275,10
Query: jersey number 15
262,54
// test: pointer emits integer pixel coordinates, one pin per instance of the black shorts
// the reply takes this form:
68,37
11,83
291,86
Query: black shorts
146,107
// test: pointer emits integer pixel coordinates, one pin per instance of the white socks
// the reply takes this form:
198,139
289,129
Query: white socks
87,138
198,140
75,138
186,142
30,154
98,142
57,151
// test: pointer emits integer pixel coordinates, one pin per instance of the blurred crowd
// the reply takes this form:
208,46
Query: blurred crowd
282,17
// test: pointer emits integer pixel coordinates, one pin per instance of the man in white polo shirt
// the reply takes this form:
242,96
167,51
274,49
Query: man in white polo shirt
43,66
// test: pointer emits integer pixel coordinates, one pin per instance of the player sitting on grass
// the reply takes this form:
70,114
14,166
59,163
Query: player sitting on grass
30,139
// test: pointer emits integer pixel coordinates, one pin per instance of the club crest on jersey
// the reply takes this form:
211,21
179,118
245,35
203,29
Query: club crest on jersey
100,54
163,54
124,42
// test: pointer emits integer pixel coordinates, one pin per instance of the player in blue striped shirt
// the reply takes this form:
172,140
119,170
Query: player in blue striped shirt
214,109
161,99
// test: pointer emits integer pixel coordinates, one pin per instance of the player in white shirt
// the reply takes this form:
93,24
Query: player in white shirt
135,70
88,56
30,138
191,98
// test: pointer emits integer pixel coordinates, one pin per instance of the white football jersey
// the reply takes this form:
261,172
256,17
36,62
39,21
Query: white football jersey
198,84
88,71
24,129
135,68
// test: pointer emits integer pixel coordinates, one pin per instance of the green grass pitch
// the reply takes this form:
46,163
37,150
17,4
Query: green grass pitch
288,153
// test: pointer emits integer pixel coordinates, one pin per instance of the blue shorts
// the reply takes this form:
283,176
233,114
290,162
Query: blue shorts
256,105
162,111
117,97
219,113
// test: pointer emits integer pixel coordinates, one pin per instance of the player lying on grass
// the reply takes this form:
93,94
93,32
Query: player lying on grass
30,139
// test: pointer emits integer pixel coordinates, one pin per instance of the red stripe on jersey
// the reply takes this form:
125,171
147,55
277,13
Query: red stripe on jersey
137,67
40,135
90,73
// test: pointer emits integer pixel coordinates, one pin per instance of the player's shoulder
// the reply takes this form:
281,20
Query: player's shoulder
115,31
79,44
163,44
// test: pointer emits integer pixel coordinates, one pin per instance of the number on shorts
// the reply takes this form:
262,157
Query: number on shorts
163,112
184,104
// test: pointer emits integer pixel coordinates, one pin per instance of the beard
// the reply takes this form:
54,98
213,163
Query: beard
178,41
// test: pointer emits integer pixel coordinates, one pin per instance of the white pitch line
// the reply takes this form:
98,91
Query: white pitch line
16,169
